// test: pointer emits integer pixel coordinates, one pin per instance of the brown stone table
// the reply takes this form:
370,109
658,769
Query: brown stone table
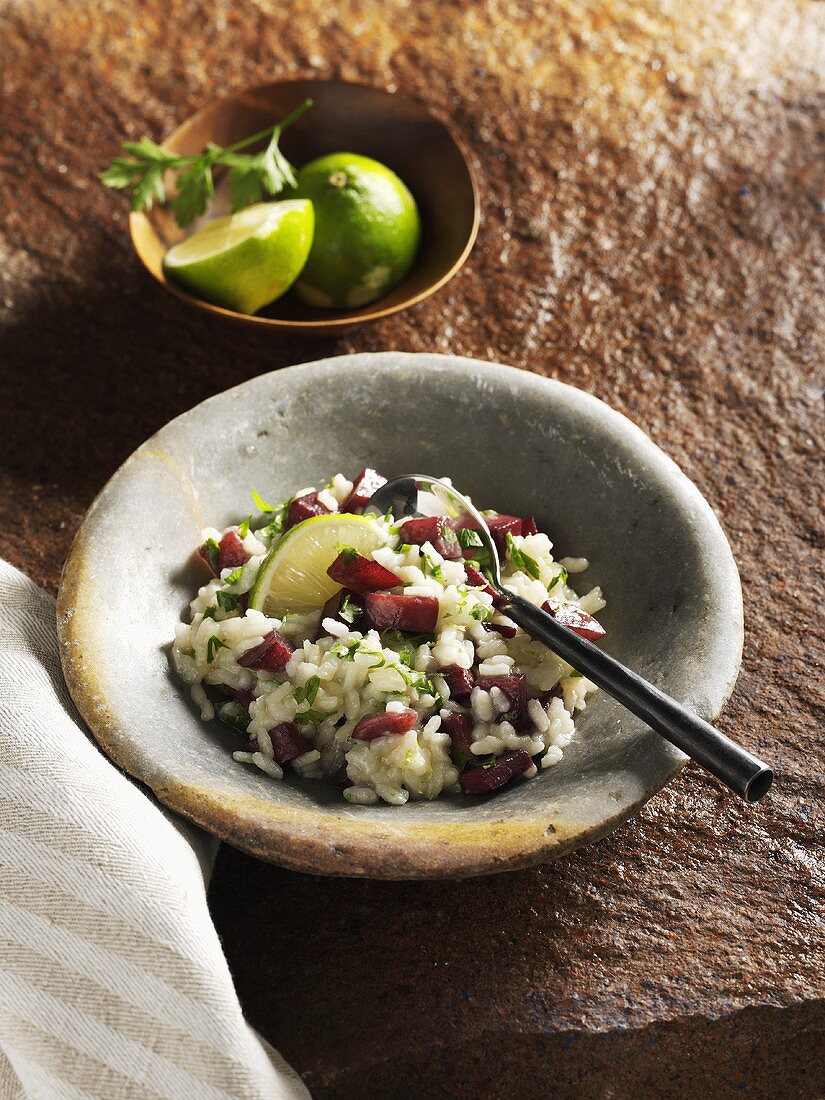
652,179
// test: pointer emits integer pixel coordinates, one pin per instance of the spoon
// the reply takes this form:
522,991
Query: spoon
746,775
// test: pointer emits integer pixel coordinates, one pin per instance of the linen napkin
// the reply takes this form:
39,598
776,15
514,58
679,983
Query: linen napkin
112,979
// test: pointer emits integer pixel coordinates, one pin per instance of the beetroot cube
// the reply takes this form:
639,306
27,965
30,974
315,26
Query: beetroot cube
476,579
414,614
576,620
288,743
514,687
361,574
384,723
528,526
434,530
504,629
367,482
245,698
460,729
485,779
460,681
305,507
272,654
232,553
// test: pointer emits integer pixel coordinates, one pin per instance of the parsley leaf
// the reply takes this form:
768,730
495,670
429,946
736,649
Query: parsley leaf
213,553
349,610
227,601
310,717
210,611
521,560
305,693
141,167
243,528
234,714
212,647
234,576
481,613
560,578
468,538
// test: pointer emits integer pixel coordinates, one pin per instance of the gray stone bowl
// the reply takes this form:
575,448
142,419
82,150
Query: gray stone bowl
515,442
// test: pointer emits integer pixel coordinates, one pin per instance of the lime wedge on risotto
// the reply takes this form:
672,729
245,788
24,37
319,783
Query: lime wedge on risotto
293,576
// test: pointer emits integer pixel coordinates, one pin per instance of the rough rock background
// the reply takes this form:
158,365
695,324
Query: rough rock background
652,178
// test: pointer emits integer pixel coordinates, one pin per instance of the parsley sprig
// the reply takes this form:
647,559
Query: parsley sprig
142,169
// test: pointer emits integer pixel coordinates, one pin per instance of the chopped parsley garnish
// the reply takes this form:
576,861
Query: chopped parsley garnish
349,610
243,527
234,714
481,612
468,538
349,553
213,554
210,611
521,560
212,647
574,675
560,578
306,693
234,576
227,601
310,717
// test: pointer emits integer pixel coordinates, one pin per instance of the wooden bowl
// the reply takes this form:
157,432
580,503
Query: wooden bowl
393,129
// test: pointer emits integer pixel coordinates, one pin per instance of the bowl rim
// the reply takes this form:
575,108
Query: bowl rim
140,224
291,837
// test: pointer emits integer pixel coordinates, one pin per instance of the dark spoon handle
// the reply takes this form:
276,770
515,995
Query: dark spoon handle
745,774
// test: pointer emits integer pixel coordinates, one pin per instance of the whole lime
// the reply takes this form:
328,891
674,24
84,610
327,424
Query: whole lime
367,231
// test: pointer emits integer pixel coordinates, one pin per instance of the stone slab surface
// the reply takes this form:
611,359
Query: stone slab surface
652,177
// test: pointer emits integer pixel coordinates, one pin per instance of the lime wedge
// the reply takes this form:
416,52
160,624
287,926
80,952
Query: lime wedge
293,575
246,260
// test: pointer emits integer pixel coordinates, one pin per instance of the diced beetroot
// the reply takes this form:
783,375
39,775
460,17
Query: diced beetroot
386,611
384,723
367,482
305,507
436,531
272,653
528,526
361,574
245,698
288,743
504,629
251,745
460,681
514,687
341,780
476,579
483,780
460,729
576,620
232,553
499,527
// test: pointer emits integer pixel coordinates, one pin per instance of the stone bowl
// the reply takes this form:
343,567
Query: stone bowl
512,440
394,129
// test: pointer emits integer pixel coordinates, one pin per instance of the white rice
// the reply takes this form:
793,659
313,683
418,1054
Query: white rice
354,674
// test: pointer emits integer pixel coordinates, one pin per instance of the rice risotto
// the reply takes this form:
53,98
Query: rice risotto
410,680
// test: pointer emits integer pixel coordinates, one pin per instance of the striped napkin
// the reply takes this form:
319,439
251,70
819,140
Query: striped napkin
112,978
